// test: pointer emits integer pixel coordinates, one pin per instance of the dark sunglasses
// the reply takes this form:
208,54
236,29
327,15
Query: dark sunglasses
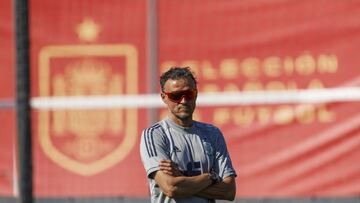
178,96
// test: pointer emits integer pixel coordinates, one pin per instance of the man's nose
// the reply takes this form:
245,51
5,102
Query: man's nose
183,100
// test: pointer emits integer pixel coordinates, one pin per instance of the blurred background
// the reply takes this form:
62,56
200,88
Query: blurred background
280,78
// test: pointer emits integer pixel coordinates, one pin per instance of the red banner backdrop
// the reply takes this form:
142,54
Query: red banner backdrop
98,48
90,48
7,94
277,150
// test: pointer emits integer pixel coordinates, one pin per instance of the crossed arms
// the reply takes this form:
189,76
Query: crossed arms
174,184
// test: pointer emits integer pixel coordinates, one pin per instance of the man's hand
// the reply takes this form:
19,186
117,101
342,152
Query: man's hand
170,168
225,189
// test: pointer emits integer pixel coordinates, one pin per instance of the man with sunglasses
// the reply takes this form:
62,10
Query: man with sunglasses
185,160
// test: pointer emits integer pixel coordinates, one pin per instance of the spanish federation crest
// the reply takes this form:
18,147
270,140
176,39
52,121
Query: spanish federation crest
87,141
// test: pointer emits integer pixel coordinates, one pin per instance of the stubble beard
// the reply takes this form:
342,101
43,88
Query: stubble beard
184,116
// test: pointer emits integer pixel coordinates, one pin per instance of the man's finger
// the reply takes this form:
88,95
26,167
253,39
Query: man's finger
166,168
166,172
165,164
166,161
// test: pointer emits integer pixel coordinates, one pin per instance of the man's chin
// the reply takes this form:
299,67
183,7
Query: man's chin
183,116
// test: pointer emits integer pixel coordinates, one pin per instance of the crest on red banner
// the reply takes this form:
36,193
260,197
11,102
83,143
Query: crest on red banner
87,141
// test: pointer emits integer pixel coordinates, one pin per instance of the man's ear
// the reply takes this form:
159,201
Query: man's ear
162,97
